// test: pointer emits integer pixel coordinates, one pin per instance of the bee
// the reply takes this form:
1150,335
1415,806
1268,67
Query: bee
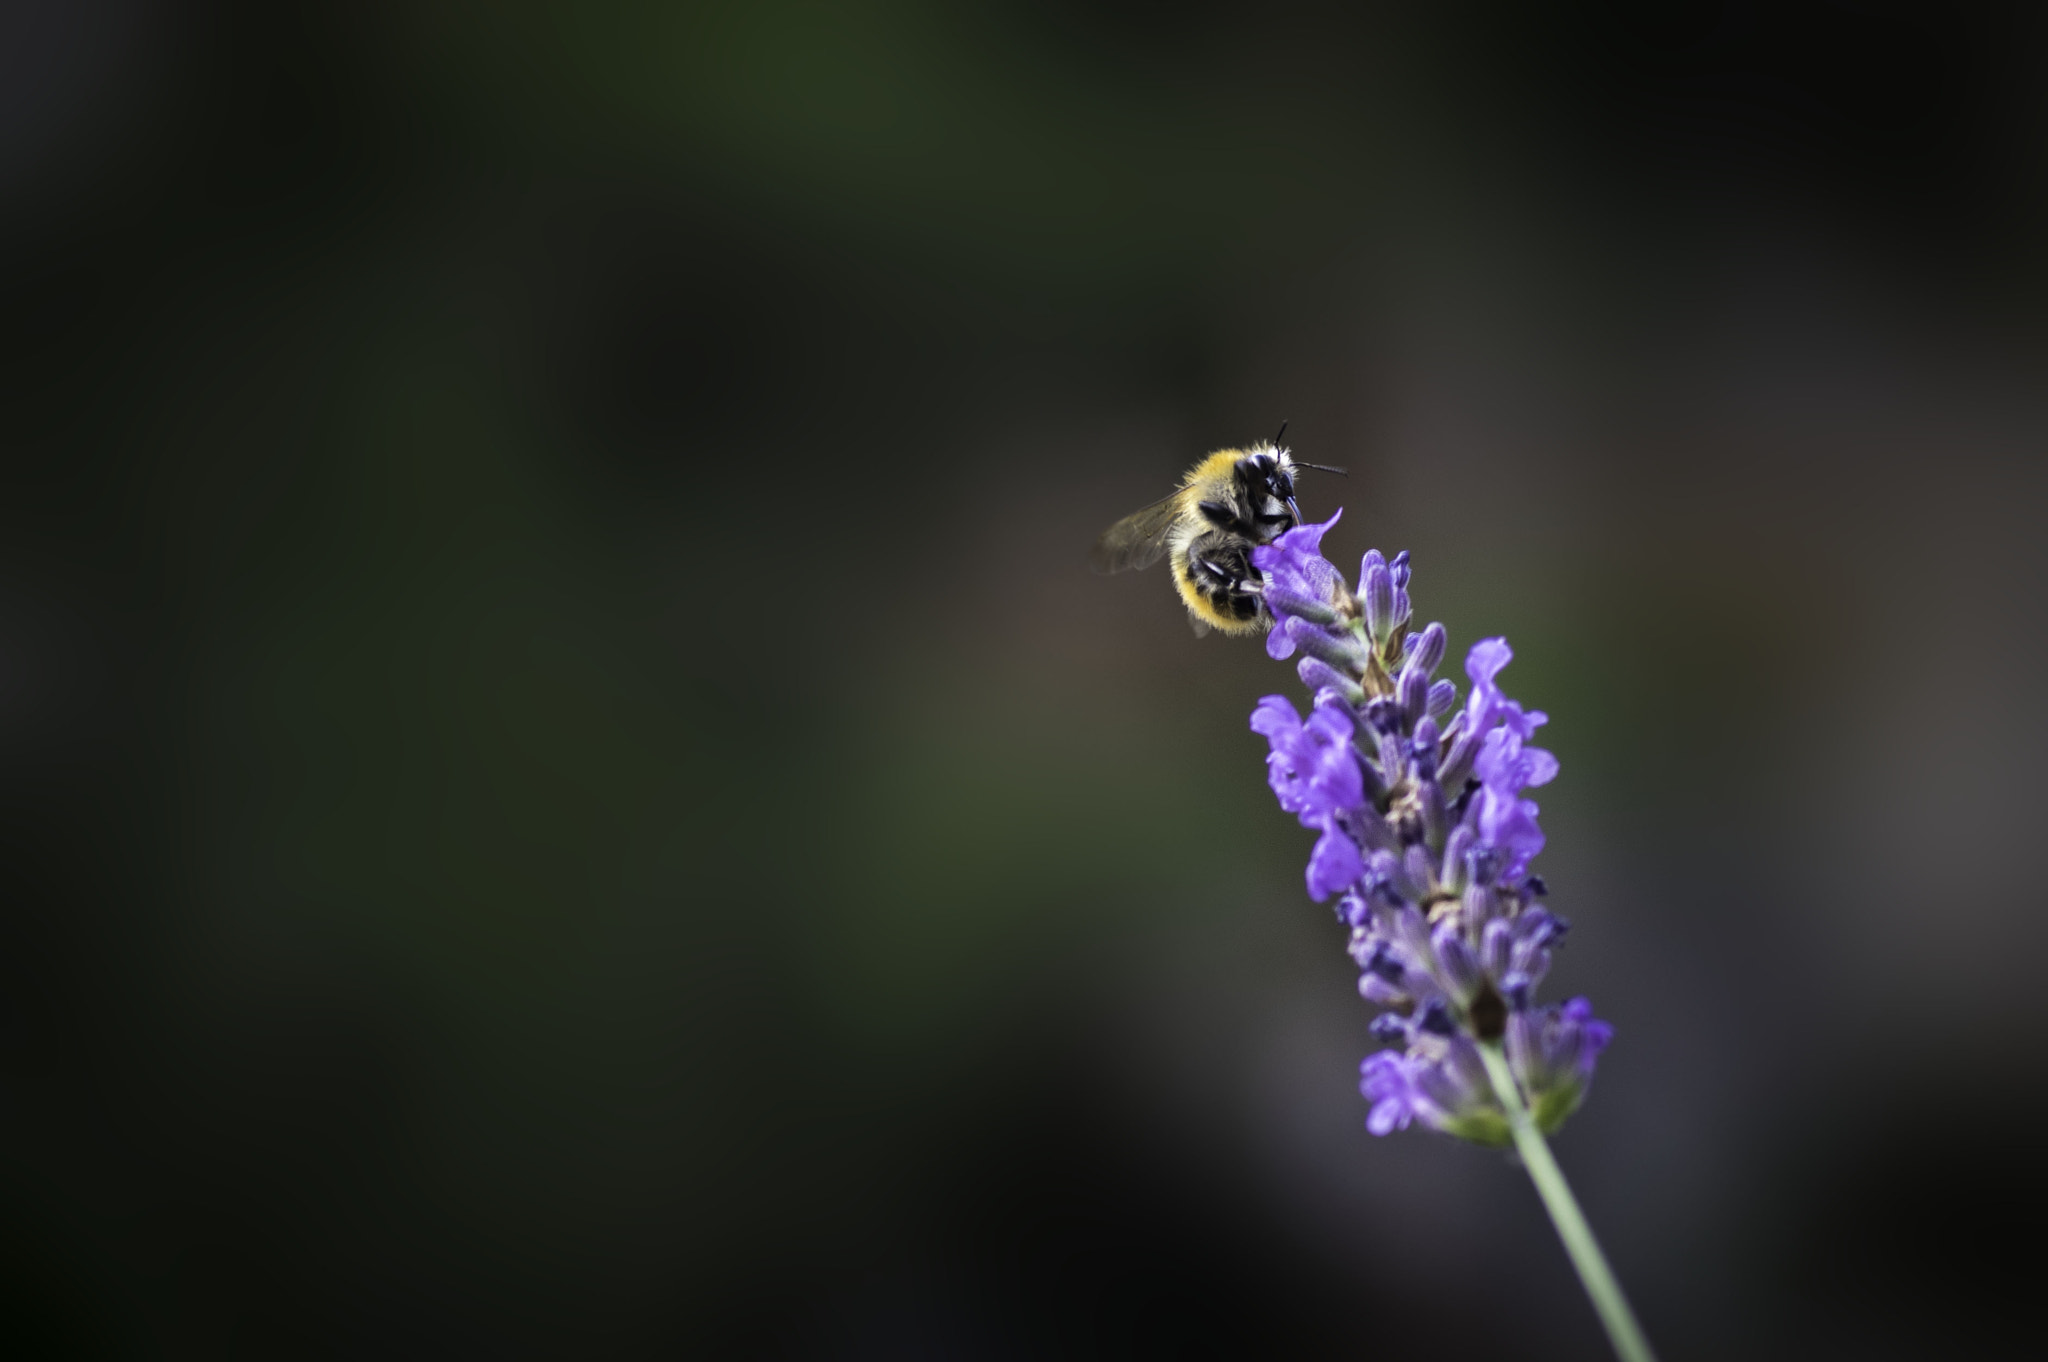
1228,504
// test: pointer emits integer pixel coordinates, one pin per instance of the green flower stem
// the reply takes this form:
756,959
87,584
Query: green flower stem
1622,1330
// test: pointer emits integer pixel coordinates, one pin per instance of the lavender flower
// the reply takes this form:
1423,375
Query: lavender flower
1424,837
1425,840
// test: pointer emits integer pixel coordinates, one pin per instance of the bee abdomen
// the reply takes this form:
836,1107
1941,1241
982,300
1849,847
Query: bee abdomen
1211,576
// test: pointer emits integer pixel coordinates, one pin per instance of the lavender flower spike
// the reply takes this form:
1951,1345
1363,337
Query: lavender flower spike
1365,769
1425,838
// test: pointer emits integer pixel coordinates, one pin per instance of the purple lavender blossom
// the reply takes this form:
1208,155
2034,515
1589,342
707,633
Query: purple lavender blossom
1425,840
1314,772
1294,562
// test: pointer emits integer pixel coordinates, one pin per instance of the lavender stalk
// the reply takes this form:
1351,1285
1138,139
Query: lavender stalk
1579,1244
1425,841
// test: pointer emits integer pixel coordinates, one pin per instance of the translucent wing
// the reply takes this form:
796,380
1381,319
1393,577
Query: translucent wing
1139,539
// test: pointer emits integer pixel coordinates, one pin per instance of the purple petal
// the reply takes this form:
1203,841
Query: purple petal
1334,865
1275,715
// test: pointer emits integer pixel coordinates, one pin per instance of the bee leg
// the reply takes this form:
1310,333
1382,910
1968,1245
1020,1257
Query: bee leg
1222,517
1225,579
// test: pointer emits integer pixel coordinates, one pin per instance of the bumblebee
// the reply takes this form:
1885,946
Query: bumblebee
1228,504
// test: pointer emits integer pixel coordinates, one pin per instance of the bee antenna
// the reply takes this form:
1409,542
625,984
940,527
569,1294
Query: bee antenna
1322,468
1278,433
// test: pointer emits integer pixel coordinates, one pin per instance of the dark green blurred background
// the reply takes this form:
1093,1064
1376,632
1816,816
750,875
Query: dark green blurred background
567,791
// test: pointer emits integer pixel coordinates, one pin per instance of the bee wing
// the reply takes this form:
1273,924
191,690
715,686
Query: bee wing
1139,539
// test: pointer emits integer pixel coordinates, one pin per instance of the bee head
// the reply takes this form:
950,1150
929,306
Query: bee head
1268,475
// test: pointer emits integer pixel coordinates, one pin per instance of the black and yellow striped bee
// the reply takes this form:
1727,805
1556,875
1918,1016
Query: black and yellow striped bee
1227,505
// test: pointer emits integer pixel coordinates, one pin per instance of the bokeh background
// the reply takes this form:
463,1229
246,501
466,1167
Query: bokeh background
567,790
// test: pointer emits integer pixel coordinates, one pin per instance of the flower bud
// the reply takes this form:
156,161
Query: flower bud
1320,676
1281,602
1424,652
1377,594
1457,968
1413,692
1343,653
